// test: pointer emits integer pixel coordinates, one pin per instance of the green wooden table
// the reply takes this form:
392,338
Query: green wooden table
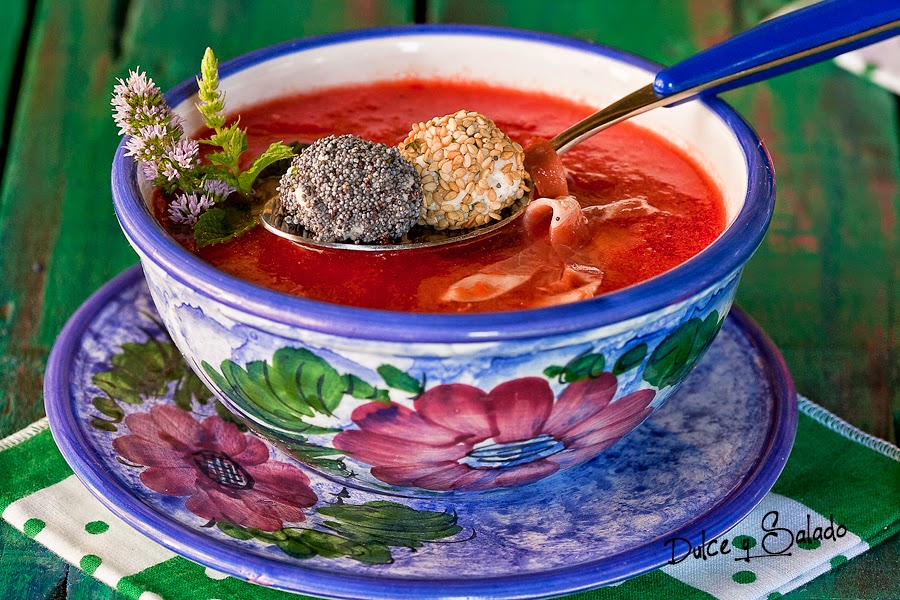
824,284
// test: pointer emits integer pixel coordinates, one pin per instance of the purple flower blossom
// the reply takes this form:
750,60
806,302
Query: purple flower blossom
184,153
155,131
186,208
150,170
138,101
138,83
135,146
157,142
217,189
168,170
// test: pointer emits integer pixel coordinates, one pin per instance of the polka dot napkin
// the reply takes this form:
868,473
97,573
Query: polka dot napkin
837,496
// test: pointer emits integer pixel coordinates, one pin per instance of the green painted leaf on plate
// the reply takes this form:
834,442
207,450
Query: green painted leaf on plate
632,358
390,523
677,354
399,380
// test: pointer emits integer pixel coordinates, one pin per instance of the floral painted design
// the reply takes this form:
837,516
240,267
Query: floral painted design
459,437
226,474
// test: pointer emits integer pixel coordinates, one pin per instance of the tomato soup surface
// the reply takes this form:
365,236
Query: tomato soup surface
667,211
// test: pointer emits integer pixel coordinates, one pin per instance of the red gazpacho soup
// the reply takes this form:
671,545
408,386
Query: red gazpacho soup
648,207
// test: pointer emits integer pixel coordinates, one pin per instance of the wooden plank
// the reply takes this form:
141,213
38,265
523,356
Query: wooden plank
80,586
168,40
824,282
639,26
46,139
12,26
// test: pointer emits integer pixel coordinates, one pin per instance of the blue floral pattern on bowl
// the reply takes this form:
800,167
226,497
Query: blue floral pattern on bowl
446,419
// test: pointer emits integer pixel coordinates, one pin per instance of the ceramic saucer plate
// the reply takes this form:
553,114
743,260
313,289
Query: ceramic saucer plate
142,434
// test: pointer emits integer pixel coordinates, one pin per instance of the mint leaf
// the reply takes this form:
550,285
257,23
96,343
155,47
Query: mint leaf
219,225
233,141
277,151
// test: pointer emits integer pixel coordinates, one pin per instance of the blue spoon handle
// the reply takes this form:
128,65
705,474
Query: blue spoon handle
793,41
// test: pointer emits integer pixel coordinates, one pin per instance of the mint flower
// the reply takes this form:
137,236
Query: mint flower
156,138
184,153
138,102
217,189
186,208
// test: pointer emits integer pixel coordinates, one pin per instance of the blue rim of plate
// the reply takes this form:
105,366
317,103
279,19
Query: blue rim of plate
187,542
718,261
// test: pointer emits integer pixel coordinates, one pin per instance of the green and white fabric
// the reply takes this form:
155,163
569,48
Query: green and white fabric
837,477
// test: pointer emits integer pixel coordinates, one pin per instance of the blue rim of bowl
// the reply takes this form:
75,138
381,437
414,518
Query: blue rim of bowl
723,257
185,541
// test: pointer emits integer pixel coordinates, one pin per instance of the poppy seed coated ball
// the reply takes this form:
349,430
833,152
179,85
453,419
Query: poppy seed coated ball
345,188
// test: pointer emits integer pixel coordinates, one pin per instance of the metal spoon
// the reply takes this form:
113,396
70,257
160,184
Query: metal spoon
783,44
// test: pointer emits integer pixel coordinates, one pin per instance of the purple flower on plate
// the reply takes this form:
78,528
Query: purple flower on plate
226,474
459,437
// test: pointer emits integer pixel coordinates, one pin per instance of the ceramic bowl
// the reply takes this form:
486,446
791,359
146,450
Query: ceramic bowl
421,403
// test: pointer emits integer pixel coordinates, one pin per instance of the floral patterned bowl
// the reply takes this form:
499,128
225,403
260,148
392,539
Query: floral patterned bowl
417,403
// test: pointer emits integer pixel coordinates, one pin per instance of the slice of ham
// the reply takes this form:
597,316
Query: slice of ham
496,279
562,222
578,282
568,225
627,207
546,169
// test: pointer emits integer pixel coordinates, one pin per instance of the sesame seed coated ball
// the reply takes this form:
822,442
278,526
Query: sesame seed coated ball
345,188
470,169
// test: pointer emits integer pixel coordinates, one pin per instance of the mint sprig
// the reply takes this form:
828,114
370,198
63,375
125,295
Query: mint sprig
172,161
231,139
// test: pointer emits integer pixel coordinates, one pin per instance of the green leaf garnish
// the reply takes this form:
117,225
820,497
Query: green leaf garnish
219,225
277,151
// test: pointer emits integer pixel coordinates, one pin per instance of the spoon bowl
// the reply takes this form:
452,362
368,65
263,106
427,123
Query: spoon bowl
272,218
